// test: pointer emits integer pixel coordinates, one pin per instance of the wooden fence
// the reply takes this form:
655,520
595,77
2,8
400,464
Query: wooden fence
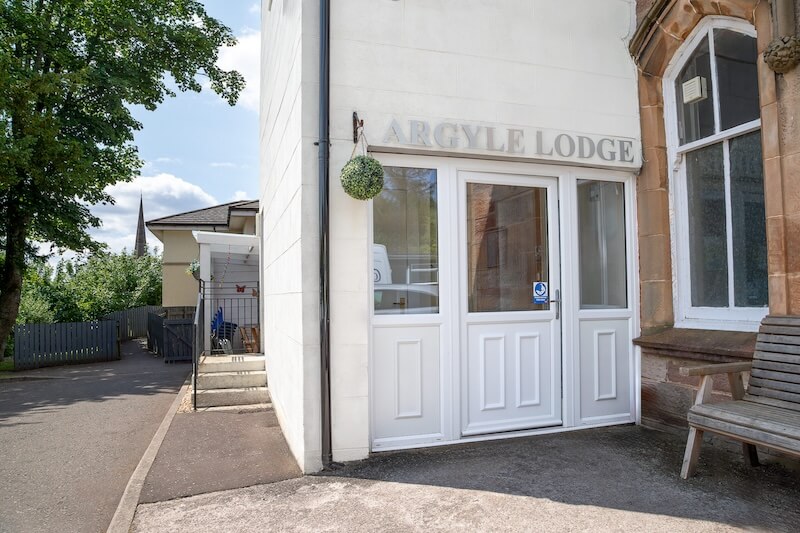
133,322
171,339
39,345
178,340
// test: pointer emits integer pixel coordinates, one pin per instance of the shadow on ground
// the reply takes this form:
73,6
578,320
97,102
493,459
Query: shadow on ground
212,451
624,468
136,373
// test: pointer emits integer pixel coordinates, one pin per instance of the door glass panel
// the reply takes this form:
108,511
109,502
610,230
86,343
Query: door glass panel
696,118
507,248
406,243
737,78
708,239
749,222
601,234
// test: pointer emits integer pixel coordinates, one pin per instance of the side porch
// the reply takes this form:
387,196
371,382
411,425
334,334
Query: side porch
228,363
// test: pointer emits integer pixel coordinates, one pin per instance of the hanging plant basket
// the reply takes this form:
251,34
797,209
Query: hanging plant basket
362,177
194,269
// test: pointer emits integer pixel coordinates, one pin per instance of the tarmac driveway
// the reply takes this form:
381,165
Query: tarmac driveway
615,479
69,444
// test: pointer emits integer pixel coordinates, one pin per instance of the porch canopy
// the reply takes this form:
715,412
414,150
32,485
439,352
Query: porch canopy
217,246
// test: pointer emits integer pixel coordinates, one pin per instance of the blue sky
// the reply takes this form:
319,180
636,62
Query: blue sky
198,151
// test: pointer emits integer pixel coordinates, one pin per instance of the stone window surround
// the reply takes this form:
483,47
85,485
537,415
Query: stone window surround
734,319
653,54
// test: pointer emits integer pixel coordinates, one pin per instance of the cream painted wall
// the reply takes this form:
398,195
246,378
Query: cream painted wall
529,63
288,202
536,63
179,288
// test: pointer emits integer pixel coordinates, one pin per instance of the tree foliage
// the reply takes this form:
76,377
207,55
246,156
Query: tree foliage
70,72
78,291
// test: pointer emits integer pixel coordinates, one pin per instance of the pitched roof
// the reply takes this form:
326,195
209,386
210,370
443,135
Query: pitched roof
217,215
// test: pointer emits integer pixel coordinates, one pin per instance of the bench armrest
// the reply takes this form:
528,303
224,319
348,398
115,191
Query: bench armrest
721,368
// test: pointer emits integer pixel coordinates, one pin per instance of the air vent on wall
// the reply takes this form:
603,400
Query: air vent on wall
694,90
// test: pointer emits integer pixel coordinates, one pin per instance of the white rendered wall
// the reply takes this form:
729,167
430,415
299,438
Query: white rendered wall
288,195
538,63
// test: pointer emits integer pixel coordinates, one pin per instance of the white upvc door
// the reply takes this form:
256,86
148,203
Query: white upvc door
509,302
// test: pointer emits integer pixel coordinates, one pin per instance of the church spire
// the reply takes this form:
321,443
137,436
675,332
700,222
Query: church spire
140,247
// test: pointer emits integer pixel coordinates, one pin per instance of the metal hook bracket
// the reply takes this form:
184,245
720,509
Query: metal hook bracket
357,124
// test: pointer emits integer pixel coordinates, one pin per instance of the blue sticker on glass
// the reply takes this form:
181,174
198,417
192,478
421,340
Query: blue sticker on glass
540,293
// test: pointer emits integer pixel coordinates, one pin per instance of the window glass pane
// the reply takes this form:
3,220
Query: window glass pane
405,250
696,119
601,230
506,245
749,222
737,77
708,241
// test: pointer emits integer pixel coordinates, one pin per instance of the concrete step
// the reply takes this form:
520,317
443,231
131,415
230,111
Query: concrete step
231,363
231,380
238,397
238,409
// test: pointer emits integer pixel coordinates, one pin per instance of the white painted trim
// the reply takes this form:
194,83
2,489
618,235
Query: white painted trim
736,131
450,216
616,421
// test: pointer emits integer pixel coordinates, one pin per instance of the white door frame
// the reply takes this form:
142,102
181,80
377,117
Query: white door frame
449,302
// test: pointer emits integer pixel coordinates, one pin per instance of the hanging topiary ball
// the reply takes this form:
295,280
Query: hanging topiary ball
362,177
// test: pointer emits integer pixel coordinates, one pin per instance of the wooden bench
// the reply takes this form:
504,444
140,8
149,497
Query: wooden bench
768,413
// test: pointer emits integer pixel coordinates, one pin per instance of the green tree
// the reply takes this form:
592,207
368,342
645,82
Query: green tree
70,71
35,304
112,282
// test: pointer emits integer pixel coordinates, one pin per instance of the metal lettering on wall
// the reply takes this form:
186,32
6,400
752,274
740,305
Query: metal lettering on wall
514,142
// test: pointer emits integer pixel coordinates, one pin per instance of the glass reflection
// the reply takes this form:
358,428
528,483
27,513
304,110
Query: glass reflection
405,243
507,247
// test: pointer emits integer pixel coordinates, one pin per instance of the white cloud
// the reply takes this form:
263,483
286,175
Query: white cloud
245,58
223,164
162,195
255,8
167,160
238,196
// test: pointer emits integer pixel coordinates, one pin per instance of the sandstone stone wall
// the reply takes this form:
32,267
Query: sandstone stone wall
666,395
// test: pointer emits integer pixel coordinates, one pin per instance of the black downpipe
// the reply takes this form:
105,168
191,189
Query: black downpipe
324,270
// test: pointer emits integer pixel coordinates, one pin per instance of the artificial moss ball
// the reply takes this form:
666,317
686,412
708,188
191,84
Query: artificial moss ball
362,177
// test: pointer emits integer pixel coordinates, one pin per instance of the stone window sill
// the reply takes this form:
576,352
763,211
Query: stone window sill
700,344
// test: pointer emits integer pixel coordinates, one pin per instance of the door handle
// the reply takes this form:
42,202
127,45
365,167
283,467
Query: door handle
557,301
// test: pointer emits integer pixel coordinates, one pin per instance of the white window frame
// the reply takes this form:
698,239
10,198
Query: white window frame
686,316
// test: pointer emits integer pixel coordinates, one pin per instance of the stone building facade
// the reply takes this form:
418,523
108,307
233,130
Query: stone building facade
670,36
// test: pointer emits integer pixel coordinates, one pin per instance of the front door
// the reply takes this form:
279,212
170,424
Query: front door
510,305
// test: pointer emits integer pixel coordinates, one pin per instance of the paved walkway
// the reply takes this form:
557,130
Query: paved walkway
617,479
69,444
212,451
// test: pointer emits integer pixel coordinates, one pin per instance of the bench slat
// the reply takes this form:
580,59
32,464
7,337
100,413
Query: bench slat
774,402
747,414
788,368
749,408
778,386
779,330
777,357
778,339
777,348
775,376
755,436
778,395
772,320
